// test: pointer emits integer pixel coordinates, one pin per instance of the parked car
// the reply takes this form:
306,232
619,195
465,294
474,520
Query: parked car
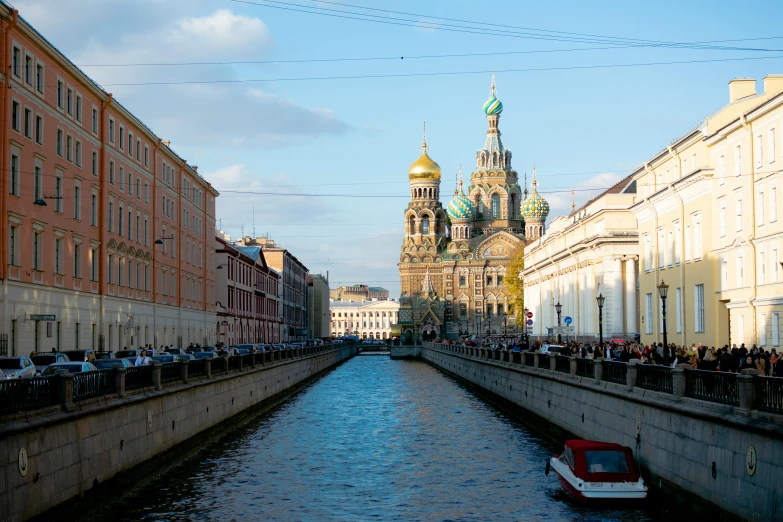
17,367
104,355
41,361
205,355
69,367
103,364
80,355
166,358
127,354
245,349
554,349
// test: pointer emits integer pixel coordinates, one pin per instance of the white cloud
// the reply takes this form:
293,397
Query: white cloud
221,31
560,199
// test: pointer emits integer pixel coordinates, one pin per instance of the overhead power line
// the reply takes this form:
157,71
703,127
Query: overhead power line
490,29
443,73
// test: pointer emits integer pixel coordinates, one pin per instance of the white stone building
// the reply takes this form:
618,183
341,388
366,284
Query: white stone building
367,319
593,251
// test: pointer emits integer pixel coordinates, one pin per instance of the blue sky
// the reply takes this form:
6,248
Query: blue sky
584,128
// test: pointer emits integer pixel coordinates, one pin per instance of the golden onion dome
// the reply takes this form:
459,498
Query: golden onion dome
424,168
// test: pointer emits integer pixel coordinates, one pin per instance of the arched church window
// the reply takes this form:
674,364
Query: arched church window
512,214
494,159
425,225
495,206
411,225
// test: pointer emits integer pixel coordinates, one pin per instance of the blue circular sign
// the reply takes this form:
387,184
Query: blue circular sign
568,320
529,321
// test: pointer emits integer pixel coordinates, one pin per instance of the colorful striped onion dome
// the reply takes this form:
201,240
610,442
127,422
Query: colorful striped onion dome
460,207
493,106
534,206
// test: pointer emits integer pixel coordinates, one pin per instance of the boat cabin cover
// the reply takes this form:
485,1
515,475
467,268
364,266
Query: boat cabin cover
600,461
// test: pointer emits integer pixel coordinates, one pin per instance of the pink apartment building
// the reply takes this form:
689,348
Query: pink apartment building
108,235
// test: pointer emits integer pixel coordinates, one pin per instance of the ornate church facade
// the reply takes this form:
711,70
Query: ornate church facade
454,260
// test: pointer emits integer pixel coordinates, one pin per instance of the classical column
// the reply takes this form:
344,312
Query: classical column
589,320
616,277
630,296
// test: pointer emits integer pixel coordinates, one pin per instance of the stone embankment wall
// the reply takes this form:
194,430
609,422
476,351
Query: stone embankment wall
730,457
70,453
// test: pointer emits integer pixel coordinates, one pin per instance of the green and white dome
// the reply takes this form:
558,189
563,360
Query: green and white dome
534,206
460,207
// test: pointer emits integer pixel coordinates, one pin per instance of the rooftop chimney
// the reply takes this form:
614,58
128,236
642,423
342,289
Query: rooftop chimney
773,83
195,168
741,88
167,143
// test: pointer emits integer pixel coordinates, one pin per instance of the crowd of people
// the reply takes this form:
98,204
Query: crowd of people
726,359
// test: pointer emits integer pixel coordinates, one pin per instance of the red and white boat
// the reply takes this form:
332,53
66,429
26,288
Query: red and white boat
589,470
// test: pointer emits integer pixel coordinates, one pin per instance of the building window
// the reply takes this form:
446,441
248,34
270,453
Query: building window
762,268
146,193
738,160
760,208
775,329
58,252
773,204
119,272
146,231
15,115
37,180
78,153
738,213
59,143
37,254
28,70
773,262
425,225
69,101
740,272
94,163
94,264
39,130
14,175
111,130
111,216
661,248
146,156
495,206
678,310
78,108
77,260
138,188
648,313
39,78
28,123
724,272
130,184
697,245
110,268
138,150
130,224
94,120
698,303
58,193
13,246
94,210
77,203
16,62
111,172
130,144
722,219
122,138
68,148
60,89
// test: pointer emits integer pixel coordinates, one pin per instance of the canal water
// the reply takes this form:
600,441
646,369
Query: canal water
373,439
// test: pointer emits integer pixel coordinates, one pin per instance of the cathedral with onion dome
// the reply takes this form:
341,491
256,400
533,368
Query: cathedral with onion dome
453,260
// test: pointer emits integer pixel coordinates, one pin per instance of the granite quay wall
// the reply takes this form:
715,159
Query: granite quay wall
55,454
725,453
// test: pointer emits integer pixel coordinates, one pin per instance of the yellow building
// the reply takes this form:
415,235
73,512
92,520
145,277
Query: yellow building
708,225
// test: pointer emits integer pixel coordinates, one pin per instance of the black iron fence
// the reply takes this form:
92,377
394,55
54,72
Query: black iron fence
196,368
87,385
584,367
712,386
614,372
235,362
543,361
562,364
654,377
18,395
530,359
769,394
171,372
138,377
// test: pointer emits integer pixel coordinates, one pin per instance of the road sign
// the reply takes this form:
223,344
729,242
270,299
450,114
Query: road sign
564,330
39,317
529,315
529,322
568,320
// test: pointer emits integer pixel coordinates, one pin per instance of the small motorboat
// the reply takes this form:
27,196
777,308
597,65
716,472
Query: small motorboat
589,470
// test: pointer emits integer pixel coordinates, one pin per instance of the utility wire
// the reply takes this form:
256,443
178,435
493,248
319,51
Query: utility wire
443,73
526,33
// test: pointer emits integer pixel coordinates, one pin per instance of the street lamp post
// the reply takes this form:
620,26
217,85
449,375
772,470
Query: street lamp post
600,300
663,290
505,319
524,325
559,310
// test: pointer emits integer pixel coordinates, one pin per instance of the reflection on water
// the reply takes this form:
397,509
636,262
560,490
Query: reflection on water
373,440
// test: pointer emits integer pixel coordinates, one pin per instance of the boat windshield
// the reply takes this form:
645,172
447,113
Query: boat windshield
606,462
